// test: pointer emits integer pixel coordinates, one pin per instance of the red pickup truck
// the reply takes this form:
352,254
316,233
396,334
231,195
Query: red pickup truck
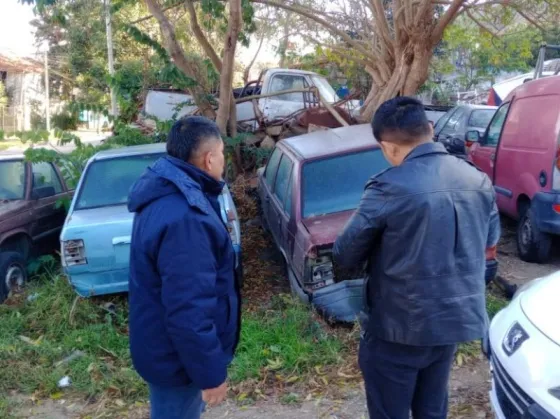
30,214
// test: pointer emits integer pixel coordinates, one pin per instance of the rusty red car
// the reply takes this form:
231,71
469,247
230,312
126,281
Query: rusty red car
31,214
308,190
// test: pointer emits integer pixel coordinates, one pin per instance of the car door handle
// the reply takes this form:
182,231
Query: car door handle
493,156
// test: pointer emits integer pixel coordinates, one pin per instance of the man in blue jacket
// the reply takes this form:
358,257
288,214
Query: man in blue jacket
423,228
184,297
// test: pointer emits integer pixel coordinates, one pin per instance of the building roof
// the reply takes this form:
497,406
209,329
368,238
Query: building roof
130,151
13,63
332,141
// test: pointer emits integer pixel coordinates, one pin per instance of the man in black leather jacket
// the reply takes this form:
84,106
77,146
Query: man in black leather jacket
422,228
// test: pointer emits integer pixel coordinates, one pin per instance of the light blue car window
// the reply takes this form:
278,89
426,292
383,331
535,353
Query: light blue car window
108,182
336,184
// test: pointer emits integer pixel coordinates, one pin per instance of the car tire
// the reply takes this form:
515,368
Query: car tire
13,274
533,245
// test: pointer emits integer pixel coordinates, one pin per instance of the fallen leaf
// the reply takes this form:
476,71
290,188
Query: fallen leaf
57,395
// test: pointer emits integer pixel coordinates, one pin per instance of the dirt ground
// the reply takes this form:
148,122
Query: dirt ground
469,385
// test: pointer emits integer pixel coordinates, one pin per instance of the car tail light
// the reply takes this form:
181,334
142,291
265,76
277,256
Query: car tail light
556,208
320,272
556,172
73,253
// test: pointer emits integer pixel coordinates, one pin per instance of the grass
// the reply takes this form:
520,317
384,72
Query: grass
40,333
47,334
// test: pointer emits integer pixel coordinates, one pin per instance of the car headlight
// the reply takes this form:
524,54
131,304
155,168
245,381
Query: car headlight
555,392
526,287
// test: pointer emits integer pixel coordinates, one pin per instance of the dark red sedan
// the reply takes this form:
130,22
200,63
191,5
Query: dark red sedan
309,189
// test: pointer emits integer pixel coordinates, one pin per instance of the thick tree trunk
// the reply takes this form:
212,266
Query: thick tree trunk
226,107
408,75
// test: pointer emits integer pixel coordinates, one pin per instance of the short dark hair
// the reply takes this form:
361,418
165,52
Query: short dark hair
188,133
404,115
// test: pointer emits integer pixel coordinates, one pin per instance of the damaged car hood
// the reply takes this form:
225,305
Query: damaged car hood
324,229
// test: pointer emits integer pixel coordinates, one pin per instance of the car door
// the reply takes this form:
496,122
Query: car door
282,203
281,106
267,184
483,153
46,191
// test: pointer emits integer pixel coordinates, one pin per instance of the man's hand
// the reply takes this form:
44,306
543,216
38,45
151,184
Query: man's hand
214,396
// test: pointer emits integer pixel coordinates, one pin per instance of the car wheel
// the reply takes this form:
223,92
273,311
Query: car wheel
12,273
533,245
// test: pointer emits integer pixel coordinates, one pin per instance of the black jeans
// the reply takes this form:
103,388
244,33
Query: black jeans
402,378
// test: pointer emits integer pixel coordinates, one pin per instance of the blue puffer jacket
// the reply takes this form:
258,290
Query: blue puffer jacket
184,299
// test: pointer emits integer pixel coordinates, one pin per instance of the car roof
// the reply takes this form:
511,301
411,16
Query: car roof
11,155
547,85
475,107
130,151
331,142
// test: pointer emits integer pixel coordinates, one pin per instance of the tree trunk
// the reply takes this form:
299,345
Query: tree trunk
226,107
284,42
409,74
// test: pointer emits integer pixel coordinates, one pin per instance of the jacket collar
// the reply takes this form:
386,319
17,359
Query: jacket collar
193,183
426,148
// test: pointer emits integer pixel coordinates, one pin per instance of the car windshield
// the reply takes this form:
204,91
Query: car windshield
108,182
325,89
480,118
12,180
337,183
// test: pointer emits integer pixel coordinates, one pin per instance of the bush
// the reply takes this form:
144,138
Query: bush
65,121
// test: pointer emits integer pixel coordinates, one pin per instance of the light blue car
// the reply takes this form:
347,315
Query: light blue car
95,239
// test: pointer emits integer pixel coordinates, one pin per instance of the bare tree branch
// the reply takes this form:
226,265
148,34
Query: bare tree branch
148,17
201,37
446,19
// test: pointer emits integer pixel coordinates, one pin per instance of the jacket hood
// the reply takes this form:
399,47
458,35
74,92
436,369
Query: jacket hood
169,175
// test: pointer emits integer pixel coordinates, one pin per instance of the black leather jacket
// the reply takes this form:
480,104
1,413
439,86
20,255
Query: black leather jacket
422,228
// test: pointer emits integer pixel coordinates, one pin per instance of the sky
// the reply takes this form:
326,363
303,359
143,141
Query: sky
16,34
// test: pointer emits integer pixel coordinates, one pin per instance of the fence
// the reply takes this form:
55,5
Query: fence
11,119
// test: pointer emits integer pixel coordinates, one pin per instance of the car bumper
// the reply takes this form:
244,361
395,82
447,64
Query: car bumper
521,381
89,284
546,219
342,301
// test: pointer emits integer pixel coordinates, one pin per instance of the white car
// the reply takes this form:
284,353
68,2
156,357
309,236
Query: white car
524,351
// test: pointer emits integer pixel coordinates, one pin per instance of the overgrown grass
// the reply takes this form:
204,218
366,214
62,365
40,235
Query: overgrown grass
47,325
286,338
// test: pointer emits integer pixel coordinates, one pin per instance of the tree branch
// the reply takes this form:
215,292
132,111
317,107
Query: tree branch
446,19
148,17
479,24
313,15
201,37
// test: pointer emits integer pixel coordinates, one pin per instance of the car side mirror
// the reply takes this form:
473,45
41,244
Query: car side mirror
472,137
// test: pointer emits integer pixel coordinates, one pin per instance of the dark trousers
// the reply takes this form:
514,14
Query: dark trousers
402,378
175,402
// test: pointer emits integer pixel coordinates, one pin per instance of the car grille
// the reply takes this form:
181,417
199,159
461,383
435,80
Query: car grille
513,401
341,274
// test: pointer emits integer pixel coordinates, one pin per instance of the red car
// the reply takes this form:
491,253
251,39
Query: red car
309,189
